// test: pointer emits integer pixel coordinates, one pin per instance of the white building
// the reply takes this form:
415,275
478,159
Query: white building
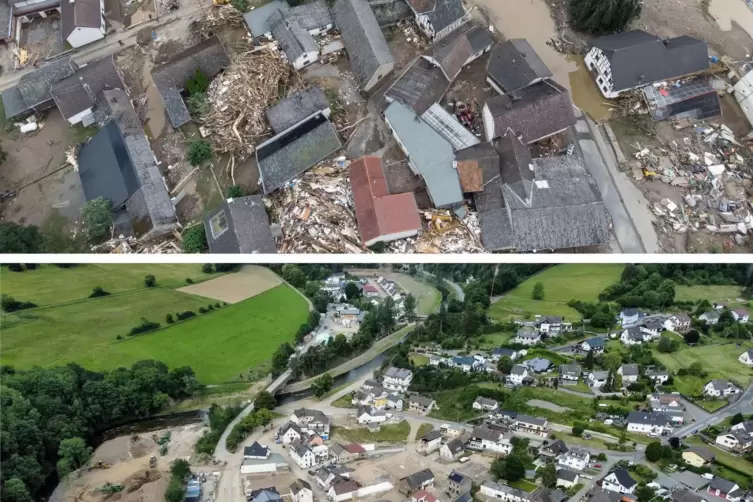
308,456
658,377
629,373
394,402
678,322
300,491
635,335
736,440
720,387
619,481
567,478
746,357
397,379
430,442
740,315
486,439
438,19
518,373
272,464
666,402
630,317
597,379
575,459
711,317
452,450
370,415
483,403
290,432
83,21
532,425
648,423
527,336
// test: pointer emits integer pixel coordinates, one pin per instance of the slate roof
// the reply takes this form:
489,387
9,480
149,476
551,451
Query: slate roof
599,375
455,446
527,333
364,41
247,227
344,486
457,477
638,58
567,475
723,485
420,86
686,496
80,91
451,52
401,373
79,14
417,479
533,112
170,78
518,369
420,400
720,383
595,342
624,478
255,450
291,152
256,19
293,40
640,417
6,19
630,369
484,401
527,419
33,89
299,484
431,436
429,152
557,447
572,369
515,64
441,13
298,106
311,16
503,351
701,452
379,214
538,364
13,102
448,126
264,495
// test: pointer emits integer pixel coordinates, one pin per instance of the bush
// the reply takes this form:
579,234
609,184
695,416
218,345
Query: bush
217,305
202,310
199,151
145,327
119,337
210,307
97,218
185,315
10,304
234,192
150,281
603,16
97,292
15,238
241,5
601,456
194,240
538,291
198,104
578,430
169,319
198,83
207,268
189,280
15,267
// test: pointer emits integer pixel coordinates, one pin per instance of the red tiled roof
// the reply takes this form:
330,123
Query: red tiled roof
425,496
380,214
370,289
353,448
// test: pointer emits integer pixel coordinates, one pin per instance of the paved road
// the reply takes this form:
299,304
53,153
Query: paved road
742,405
632,226
458,290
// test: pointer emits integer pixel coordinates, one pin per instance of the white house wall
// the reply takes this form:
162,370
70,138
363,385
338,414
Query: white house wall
84,36
79,116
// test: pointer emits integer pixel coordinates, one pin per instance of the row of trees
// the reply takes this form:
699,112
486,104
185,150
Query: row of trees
49,416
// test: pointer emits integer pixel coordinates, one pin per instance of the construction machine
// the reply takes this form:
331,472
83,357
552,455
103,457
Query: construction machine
220,2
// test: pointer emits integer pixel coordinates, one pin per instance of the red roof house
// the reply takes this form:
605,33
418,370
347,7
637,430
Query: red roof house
381,217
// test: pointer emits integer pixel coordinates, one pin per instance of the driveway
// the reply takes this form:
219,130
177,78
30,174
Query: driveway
742,405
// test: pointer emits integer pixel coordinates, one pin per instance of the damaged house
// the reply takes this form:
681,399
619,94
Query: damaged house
118,164
695,99
76,95
633,59
429,154
314,17
370,57
533,113
296,43
381,217
459,49
438,18
419,87
171,78
15,13
530,204
301,104
32,93
239,225
514,65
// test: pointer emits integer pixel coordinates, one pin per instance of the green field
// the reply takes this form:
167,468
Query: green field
427,296
392,433
218,345
52,285
494,340
562,283
419,360
710,293
522,484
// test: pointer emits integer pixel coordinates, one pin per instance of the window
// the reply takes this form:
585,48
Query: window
218,224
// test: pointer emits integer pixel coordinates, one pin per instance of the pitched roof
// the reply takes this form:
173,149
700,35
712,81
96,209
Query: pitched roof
243,227
420,86
485,401
533,112
363,38
256,19
81,90
518,369
503,351
401,373
557,447
452,51
720,383
571,369
380,216
35,87
682,317
441,13
170,78
567,475
297,107
457,477
723,485
255,450
638,58
429,152
630,369
299,484
79,14
701,452
477,165
417,479
311,15
420,400
514,65
342,486
686,496
291,152
316,415
624,478
265,495
455,446
595,342
448,126
431,435
527,419
294,41
647,418
486,433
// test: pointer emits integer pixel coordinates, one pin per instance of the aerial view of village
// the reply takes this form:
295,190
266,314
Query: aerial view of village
387,126
381,383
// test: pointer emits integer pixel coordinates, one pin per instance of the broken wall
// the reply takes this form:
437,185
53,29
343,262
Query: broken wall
390,12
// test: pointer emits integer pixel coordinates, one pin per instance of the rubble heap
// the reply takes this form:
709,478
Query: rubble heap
168,5
315,212
217,18
444,232
132,245
239,97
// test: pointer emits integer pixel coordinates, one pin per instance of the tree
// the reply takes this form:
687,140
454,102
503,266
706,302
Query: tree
674,442
175,491
14,490
410,306
654,451
612,360
737,418
602,320
601,456
15,238
207,268
692,337
623,437
645,493
198,104
73,454
150,281
578,430
97,217
667,345
265,400
538,291
294,275
352,291
322,385
549,475
194,239
169,318
498,468
180,468
589,362
241,5
515,468
505,365
235,191
199,151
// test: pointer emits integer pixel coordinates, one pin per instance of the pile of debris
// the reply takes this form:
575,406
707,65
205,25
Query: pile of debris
168,5
411,33
315,212
444,232
132,245
216,19
253,81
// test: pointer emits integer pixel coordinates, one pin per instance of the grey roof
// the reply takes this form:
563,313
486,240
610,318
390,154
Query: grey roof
394,398
34,87
420,86
298,106
557,447
720,383
533,112
518,369
527,332
6,19
264,495
455,446
711,315
170,78
115,104
315,415
600,375
527,419
548,495
647,418
431,435
255,450
479,37
595,342
363,38
630,369
13,102
400,373
441,13
514,65
572,369
256,19
624,478
448,126
290,425
686,496
485,401
538,364
653,324
682,317
638,58
701,452
429,152
273,458
452,51
291,152
311,16
486,433
417,479
420,400
723,485
567,475
293,40
79,14
246,229
300,484
81,90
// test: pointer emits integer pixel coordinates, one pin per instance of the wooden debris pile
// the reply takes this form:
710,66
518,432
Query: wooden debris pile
217,18
238,98
132,245
443,232
315,213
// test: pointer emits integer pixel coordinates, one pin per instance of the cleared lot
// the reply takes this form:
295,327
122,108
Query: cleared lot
249,281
